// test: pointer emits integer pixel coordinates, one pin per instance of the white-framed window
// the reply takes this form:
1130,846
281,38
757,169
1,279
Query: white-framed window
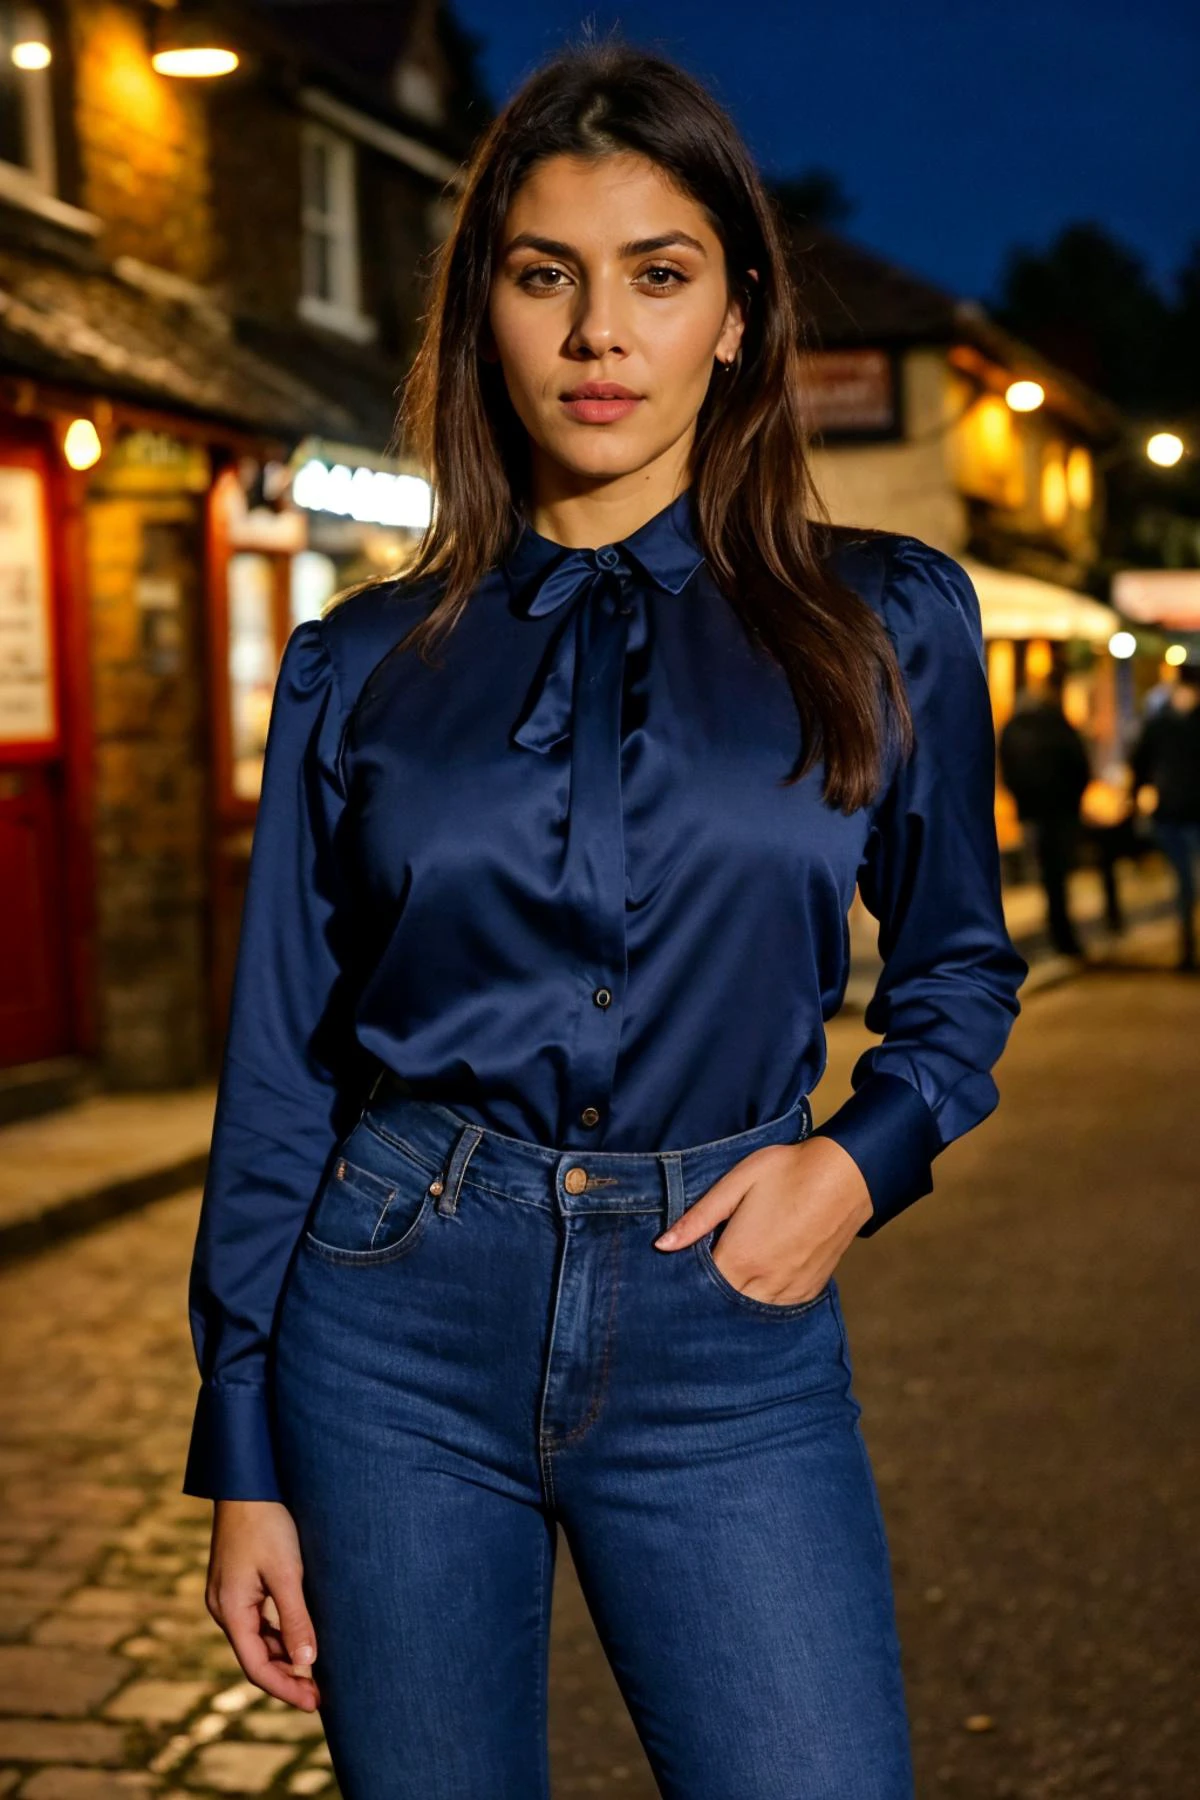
330,293
26,112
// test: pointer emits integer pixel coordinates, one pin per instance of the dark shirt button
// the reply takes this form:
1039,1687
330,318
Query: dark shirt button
602,996
589,1116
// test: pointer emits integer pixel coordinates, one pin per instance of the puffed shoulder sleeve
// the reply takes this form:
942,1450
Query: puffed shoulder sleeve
946,998
274,1125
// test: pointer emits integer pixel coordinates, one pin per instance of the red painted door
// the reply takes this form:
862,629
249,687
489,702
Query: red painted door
34,990
35,1020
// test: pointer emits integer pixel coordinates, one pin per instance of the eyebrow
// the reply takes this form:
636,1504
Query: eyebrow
529,240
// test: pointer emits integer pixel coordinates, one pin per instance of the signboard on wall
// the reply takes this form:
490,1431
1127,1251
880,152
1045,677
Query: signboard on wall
27,709
851,392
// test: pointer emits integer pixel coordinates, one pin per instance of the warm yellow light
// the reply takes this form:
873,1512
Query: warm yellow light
1054,486
1024,396
1165,449
1079,478
1174,654
31,54
81,444
1039,659
1122,644
197,61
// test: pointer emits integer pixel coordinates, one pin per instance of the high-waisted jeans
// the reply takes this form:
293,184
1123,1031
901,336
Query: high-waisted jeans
478,1342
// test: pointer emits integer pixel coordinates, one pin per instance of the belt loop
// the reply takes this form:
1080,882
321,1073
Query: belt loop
676,1196
374,1089
451,1178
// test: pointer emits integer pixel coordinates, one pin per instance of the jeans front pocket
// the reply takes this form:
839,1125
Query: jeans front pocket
768,1309
373,1205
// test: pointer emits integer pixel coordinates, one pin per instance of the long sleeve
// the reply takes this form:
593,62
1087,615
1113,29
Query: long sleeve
274,1125
946,998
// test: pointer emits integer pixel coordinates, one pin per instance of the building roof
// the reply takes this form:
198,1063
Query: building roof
133,332
354,49
853,296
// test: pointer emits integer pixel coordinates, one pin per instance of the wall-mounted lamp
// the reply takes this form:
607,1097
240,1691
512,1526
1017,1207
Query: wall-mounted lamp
1165,449
188,39
32,48
1024,396
81,444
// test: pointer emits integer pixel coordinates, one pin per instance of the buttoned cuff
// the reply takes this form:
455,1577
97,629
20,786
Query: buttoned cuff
889,1130
231,1455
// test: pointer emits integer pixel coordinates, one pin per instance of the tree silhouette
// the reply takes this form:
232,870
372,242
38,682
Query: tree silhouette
1088,304
816,197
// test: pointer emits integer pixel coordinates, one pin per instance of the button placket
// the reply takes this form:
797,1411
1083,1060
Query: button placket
596,837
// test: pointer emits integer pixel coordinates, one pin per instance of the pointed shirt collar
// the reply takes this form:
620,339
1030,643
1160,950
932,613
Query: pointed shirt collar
666,548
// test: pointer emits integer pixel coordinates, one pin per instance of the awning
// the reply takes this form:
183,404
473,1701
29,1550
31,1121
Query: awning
1166,597
1023,606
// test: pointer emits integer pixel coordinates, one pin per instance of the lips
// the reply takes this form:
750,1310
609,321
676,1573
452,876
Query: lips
600,402
601,390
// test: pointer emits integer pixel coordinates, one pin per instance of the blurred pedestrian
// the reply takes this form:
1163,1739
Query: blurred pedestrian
1108,818
1045,766
1166,758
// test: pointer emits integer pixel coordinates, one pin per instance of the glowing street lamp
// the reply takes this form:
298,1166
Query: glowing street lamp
187,41
31,53
1164,448
1024,396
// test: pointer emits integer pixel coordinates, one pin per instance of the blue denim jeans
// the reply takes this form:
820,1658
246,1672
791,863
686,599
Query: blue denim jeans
1179,840
478,1342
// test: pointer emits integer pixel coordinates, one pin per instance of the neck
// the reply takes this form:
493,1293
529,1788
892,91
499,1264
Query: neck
585,515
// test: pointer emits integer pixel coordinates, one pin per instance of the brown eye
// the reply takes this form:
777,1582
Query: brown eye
675,275
527,278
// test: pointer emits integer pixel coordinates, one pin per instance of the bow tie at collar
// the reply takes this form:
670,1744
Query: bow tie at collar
546,577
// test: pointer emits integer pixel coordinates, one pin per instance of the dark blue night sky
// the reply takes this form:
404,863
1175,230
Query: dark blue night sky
956,130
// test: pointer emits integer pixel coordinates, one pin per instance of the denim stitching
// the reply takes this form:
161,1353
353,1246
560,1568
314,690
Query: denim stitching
577,1431
785,1309
395,1142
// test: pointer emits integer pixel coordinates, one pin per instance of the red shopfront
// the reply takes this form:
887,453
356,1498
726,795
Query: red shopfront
45,855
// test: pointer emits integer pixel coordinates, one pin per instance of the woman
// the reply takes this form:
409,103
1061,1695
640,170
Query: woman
539,939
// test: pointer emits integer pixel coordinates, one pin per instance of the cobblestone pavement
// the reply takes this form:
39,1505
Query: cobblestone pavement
1025,1351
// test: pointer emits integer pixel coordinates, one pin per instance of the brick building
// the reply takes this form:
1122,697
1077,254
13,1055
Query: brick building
207,296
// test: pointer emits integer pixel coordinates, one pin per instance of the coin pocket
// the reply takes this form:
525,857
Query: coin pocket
372,1205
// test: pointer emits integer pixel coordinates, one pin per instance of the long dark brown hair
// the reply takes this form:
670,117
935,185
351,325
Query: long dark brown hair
764,530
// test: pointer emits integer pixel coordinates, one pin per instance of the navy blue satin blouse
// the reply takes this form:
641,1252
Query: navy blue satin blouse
555,883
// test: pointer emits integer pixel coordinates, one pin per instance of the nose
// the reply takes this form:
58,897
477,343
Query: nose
598,327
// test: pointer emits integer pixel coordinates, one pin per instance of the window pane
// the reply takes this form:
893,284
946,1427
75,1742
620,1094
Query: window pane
316,175
253,666
313,580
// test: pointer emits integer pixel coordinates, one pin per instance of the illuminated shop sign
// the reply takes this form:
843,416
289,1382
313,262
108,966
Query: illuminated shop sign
372,496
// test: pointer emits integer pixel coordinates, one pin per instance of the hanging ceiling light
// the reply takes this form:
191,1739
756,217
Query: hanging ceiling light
188,40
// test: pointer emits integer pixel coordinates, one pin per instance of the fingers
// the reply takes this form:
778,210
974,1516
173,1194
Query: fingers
718,1201
295,1626
272,1637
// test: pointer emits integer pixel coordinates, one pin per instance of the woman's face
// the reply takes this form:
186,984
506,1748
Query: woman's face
608,274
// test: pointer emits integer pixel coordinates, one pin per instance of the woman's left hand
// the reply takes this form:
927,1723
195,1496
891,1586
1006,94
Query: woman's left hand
793,1210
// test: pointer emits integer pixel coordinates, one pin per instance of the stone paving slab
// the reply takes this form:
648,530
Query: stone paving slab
63,1171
